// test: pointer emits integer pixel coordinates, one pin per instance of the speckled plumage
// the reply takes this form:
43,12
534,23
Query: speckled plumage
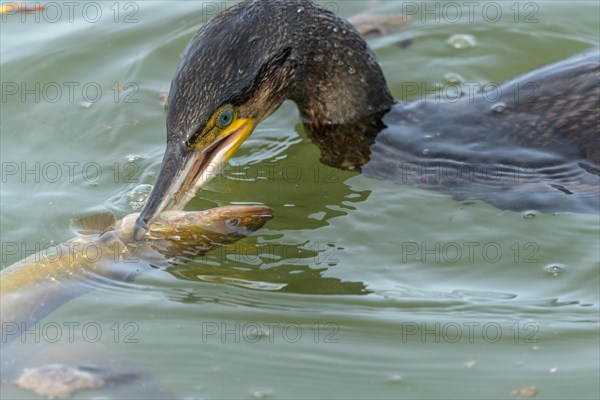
258,53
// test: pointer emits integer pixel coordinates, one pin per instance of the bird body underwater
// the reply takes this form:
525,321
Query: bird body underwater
540,150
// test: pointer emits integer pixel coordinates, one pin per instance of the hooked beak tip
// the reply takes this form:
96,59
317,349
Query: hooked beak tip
139,230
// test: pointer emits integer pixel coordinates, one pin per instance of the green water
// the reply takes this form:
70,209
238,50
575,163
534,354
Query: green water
357,288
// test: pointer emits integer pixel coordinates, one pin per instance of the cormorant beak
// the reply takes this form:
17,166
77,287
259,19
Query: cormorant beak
184,170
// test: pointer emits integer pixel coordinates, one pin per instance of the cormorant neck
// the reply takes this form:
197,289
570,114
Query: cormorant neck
334,79
337,80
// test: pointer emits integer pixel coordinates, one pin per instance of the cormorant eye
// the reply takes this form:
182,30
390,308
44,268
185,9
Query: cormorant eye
225,118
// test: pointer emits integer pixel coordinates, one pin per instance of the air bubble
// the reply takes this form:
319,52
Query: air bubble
300,9
257,334
262,394
318,58
133,158
499,107
351,71
529,214
462,41
138,196
555,269
452,77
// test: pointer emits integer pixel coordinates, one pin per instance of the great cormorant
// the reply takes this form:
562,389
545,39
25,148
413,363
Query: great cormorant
514,152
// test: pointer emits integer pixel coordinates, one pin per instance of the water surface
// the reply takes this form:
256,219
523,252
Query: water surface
358,288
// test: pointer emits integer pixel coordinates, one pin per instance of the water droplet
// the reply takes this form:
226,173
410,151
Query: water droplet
529,214
555,269
425,152
318,58
335,29
553,370
396,378
499,107
462,41
85,104
428,137
340,63
363,80
469,364
351,71
336,44
300,9
350,53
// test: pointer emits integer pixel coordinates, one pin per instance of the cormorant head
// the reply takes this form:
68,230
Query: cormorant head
239,68
227,82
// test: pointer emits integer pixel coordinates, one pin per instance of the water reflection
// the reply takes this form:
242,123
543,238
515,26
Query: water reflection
517,150
270,266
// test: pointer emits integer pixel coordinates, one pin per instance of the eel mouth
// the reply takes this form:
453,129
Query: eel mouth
233,221
184,171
